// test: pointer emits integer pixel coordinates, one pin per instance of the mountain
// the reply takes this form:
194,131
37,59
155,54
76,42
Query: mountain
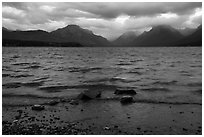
195,39
68,34
74,33
125,39
5,29
33,35
186,31
162,35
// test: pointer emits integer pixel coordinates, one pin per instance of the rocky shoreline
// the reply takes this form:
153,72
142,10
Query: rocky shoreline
89,114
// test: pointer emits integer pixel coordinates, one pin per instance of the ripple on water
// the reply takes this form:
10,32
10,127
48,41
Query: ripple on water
123,63
6,75
12,85
198,91
33,84
173,82
83,69
20,75
58,88
195,84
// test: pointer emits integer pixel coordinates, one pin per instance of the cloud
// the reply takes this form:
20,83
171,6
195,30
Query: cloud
10,12
107,19
112,10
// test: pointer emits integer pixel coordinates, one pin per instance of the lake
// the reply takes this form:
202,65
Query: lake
158,75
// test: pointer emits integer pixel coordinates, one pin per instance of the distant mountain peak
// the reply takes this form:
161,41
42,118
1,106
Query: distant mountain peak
72,26
159,27
74,33
200,26
163,28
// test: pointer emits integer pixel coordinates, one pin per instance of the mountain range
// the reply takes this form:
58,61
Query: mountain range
73,35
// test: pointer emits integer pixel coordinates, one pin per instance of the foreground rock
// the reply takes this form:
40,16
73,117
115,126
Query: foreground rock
125,91
126,99
89,94
38,107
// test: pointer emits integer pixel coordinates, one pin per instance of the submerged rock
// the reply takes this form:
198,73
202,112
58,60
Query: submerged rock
125,91
74,102
89,94
126,99
53,102
38,107
83,96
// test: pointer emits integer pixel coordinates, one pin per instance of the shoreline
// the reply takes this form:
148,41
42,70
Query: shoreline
101,117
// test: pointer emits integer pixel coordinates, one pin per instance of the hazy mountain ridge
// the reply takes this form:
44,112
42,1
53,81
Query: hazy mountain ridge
125,39
186,31
162,35
195,39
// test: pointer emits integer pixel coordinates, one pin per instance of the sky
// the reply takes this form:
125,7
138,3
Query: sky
108,19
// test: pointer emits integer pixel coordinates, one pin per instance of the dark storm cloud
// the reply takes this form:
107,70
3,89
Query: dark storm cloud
107,19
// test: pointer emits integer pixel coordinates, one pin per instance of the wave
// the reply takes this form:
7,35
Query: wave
83,70
28,96
173,82
136,72
57,88
26,84
151,101
12,85
33,84
6,68
152,89
122,79
41,78
20,75
137,60
199,91
53,88
165,102
21,64
33,67
196,84
196,66
6,75
25,64
97,80
123,63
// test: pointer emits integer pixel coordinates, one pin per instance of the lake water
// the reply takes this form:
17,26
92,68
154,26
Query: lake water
158,75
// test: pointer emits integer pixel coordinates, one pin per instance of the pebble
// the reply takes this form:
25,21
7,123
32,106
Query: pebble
138,128
199,130
106,128
184,129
